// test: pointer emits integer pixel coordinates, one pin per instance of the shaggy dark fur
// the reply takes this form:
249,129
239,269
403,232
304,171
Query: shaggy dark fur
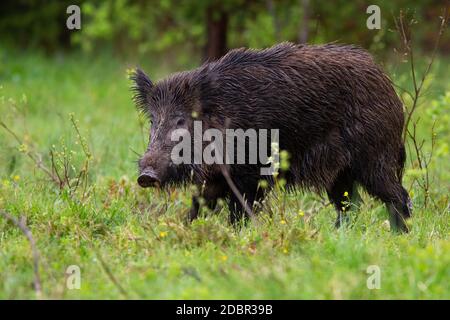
338,115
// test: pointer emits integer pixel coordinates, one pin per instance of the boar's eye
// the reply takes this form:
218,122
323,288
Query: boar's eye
181,122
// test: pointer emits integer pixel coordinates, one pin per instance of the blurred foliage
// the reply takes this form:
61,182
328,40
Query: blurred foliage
142,27
34,23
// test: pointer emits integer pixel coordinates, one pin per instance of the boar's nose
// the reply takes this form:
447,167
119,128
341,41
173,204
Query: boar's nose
147,179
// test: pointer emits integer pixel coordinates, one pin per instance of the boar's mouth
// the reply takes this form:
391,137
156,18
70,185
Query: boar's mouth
148,178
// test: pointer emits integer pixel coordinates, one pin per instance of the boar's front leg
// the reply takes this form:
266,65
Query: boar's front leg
195,208
211,193
249,193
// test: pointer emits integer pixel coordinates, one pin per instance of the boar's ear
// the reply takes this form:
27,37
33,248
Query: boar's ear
142,89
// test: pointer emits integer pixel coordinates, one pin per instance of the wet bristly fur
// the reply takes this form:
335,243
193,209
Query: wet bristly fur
337,113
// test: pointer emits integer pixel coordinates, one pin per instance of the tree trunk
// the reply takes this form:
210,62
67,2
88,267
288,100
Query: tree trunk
303,35
276,23
216,24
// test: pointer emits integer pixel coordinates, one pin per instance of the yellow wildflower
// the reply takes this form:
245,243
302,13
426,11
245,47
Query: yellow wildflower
130,72
163,234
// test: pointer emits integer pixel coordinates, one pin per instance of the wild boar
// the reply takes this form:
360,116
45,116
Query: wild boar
337,113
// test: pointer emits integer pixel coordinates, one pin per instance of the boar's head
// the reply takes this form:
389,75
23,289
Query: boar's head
169,105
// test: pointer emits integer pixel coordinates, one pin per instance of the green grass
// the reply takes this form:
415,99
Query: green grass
140,236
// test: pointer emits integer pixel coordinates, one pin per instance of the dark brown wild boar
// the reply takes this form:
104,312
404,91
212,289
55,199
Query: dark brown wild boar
337,114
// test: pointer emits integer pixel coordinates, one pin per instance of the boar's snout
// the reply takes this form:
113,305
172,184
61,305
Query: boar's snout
148,178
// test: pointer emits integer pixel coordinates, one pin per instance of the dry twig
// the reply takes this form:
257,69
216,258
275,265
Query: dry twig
26,231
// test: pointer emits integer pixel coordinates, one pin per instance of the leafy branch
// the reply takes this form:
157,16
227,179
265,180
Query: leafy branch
404,28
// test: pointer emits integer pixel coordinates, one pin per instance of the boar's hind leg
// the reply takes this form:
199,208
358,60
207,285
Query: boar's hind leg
399,210
386,186
343,194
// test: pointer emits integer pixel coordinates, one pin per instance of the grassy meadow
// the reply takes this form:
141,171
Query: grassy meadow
74,113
